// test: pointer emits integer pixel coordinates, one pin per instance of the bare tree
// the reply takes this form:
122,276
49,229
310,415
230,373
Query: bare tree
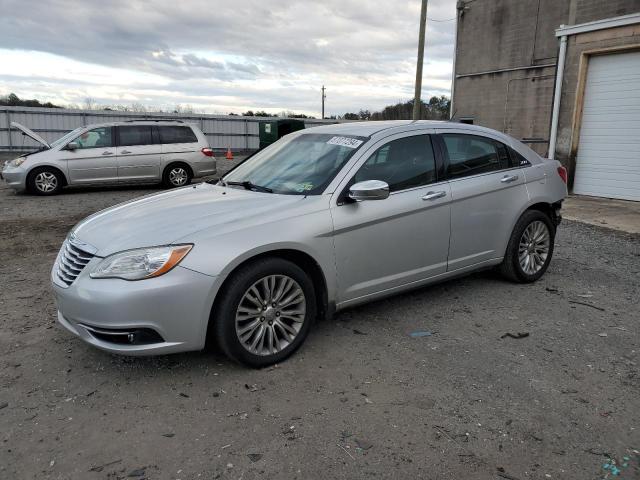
139,107
89,103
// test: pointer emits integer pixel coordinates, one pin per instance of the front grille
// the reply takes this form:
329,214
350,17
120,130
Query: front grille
71,261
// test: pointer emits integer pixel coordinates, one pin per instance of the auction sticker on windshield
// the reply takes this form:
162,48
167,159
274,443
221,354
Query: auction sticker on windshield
345,142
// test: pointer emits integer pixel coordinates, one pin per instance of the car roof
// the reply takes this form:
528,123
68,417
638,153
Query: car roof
360,129
139,122
369,128
379,129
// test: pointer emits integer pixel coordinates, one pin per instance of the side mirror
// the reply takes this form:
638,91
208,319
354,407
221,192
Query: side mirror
72,146
369,190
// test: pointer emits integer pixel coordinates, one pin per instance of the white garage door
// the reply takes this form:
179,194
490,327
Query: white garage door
608,161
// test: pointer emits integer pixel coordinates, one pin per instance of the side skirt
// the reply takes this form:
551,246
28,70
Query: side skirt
419,283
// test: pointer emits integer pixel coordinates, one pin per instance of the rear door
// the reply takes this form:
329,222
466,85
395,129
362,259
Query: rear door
138,153
487,195
179,142
94,161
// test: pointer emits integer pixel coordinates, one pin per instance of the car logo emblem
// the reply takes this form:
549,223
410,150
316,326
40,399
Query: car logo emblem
75,241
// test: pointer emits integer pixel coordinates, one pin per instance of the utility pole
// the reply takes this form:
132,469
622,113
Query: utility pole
323,97
423,26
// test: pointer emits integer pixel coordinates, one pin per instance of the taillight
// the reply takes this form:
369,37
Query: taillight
563,174
207,151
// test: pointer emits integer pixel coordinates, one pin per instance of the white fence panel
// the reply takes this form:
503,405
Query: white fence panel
222,131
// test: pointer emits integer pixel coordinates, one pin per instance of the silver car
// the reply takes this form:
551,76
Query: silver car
171,152
321,220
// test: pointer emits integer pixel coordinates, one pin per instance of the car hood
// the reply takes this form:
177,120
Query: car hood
164,218
30,133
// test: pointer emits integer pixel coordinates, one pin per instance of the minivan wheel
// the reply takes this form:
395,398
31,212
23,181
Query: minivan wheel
265,312
177,175
530,248
44,181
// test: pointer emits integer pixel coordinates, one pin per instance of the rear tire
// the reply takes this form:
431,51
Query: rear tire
258,336
177,175
530,248
44,181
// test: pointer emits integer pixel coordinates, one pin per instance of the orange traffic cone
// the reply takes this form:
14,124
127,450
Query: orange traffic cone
229,155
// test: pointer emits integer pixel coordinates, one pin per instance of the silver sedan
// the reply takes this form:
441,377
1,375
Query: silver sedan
323,219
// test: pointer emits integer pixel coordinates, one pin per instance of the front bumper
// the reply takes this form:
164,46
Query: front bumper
16,177
176,306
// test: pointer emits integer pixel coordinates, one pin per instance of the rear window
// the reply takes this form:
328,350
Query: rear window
171,134
517,160
135,135
472,155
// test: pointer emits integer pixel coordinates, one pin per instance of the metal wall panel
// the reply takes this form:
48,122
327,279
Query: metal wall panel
222,131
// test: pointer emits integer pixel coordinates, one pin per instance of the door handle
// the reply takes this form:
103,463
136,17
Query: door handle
125,152
434,195
509,178
107,153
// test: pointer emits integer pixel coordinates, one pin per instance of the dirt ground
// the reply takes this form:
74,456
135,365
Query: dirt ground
361,399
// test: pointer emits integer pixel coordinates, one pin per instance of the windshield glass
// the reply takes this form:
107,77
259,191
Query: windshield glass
66,138
297,165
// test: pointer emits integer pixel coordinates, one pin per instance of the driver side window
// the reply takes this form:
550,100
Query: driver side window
403,163
100,137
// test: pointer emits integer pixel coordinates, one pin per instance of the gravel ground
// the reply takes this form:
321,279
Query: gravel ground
362,398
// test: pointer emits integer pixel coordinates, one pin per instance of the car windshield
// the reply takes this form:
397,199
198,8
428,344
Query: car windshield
296,165
66,137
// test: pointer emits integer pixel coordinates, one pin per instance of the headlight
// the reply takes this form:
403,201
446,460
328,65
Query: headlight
18,161
141,263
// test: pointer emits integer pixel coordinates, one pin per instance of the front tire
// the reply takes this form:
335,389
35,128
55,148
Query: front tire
265,312
530,248
177,175
44,181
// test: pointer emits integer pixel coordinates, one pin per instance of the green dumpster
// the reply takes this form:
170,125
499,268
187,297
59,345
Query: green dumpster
273,130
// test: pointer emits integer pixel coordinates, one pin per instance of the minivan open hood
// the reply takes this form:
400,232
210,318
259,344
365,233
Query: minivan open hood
30,133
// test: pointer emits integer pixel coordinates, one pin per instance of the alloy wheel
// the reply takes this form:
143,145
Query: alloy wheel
178,176
270,315
46,182
534,247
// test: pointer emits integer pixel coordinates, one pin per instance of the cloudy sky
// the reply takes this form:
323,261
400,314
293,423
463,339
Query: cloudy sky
223,56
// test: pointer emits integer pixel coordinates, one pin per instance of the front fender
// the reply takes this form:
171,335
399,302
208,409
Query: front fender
59,168
218,253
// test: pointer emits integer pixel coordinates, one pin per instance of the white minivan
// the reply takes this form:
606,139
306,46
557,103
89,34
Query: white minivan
171,152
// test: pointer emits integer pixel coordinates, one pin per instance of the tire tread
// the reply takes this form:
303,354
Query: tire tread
223,315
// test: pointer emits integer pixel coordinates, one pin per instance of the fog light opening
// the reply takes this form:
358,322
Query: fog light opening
138,336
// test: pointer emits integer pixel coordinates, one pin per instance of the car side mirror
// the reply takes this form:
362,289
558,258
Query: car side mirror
369,190
72,146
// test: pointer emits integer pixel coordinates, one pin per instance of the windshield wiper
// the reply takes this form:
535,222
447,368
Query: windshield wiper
250,186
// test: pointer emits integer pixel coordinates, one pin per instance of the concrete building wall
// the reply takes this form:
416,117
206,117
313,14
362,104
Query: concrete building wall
500,34
496,35
517,103
504,35
590,10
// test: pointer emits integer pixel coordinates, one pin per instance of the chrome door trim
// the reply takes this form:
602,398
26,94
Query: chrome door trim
509,178
434,195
